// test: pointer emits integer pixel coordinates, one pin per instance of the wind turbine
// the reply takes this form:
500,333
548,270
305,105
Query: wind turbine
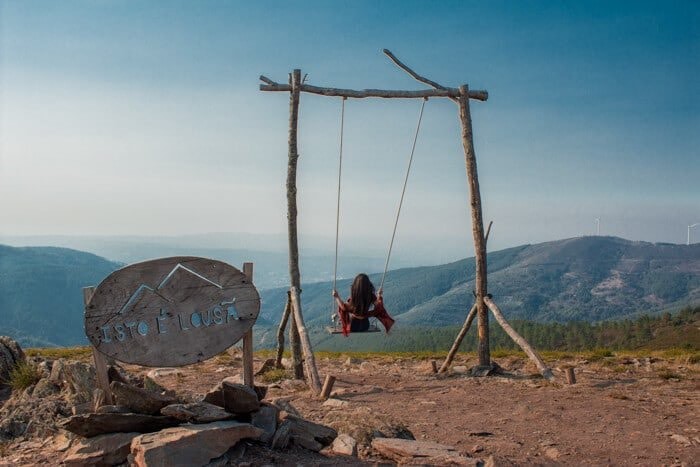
690,227
597,225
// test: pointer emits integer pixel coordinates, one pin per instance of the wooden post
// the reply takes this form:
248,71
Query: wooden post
433,366
477,226
546,372
99,359
248,378
327,386
280,331
458,341
309,359
293,156
570,375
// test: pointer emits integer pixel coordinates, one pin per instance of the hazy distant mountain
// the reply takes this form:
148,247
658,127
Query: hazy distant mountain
586,278
268,252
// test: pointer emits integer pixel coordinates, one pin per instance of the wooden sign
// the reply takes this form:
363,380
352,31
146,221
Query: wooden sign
171,311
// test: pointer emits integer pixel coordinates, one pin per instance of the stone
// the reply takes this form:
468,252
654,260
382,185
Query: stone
215,395
367,367
282,436
110,449
307,429
189,444
335,403
682,440
11,355
85,407
353,361
344,444
139,400
239,398
266,420
93,424
79,380
44,388
552,453
306,442
57,375
161,372
112,409
196,412
285,405
423,452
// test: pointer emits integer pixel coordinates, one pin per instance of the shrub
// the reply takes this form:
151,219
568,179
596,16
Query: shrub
274,375
23,375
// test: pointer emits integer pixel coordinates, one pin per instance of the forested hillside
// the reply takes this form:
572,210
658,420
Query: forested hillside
41,301
578,279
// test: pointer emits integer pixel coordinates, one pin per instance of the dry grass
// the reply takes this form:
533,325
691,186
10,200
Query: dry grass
74,353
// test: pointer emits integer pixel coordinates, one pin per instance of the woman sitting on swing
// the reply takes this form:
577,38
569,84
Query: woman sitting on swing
362,305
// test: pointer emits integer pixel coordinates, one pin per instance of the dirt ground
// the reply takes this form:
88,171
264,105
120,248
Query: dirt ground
622,410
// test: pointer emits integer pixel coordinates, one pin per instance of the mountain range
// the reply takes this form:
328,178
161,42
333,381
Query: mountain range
584,278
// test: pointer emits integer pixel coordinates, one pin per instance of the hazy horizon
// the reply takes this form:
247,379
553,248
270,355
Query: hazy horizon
145,119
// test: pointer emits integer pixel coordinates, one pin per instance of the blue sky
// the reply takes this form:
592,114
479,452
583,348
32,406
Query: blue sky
124,117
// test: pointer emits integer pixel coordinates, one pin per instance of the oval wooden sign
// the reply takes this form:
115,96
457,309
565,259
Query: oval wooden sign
171,311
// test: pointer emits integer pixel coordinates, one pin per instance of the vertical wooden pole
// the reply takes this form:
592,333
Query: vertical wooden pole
280,331
477,226
570,375
309,359
294,274
99,359
248,378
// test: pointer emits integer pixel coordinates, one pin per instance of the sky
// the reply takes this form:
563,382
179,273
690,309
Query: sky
146,118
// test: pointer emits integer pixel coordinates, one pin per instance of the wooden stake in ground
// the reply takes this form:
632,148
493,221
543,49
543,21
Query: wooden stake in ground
546,372
294,274
327,386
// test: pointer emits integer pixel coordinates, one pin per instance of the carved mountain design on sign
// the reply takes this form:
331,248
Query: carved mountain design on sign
176,287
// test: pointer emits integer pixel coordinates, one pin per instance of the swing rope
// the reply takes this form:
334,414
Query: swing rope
337,210
398,212
403,192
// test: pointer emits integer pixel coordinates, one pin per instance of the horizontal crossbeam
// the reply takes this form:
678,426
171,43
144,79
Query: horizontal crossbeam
364,93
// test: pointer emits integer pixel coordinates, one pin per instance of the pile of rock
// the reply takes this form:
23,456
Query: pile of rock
149,428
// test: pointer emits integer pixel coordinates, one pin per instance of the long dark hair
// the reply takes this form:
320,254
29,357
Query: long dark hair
362,294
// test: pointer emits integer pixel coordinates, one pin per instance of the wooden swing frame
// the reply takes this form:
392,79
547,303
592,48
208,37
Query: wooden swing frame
298,335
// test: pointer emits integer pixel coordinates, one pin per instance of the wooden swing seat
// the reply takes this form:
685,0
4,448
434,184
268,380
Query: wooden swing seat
338,330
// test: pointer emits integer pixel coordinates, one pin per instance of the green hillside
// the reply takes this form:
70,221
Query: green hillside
580,279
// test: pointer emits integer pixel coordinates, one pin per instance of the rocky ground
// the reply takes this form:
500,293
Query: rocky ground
623,410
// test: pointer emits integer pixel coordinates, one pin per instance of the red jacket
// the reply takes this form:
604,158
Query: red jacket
379,312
